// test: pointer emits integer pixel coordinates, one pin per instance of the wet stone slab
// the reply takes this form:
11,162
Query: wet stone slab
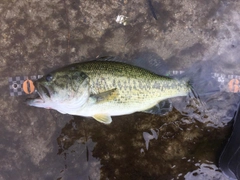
39,36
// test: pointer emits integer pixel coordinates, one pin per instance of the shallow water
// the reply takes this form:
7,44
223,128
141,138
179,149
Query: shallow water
199,38
142,146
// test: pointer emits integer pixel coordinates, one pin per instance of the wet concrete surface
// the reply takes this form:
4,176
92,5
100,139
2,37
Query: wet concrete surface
38,36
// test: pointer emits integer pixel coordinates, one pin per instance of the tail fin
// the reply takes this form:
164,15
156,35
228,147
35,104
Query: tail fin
200,79
218,104
194,94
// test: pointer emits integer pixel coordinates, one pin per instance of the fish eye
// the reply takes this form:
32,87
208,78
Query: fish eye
49,78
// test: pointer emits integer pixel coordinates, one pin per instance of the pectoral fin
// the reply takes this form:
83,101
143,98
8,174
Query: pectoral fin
105,96
103,118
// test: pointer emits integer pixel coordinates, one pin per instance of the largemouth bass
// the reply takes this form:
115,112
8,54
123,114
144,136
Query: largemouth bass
101,89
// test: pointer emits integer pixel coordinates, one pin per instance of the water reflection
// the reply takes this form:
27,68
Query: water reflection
76,146
207,171
139,146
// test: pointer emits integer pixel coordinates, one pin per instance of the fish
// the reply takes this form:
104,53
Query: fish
102,89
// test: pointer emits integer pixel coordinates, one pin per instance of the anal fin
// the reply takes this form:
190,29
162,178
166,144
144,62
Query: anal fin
161,108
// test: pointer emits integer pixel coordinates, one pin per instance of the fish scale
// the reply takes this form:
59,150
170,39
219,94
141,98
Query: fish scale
141,84
102,89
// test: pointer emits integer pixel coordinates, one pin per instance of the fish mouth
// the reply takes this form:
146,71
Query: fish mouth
41,98
43,92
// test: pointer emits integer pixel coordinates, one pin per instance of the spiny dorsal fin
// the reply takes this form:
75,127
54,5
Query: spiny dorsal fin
106,58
